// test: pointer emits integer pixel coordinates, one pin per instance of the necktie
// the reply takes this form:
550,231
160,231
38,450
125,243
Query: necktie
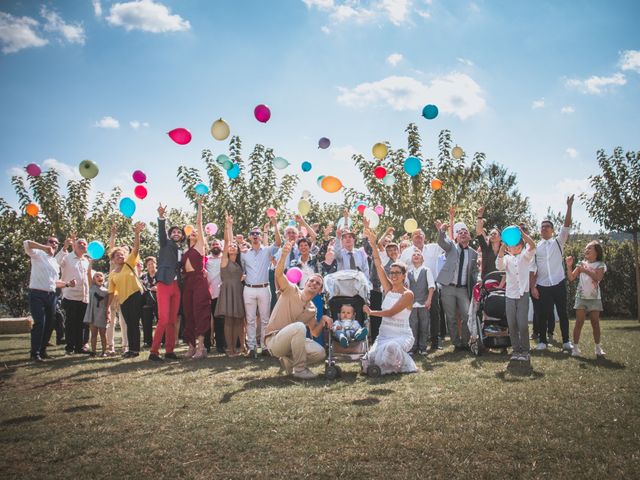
460,266
352,261
292,257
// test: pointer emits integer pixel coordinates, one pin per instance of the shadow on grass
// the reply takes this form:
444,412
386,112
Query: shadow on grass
21,420
366,402
603,362
517,371
628,327
82,408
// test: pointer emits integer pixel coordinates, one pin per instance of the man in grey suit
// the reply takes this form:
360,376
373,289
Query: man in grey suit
457,277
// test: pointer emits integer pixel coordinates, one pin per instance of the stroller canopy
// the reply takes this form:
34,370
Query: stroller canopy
347,283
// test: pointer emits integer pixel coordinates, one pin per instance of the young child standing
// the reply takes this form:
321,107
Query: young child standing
422,285
588,299
96,313
517,265
348,328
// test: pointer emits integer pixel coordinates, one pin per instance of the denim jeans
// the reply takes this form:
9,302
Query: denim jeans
43,309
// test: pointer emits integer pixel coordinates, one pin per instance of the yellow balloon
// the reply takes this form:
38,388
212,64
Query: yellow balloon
220,129
304,206
457,152
380,151
331,184
410,225
188,229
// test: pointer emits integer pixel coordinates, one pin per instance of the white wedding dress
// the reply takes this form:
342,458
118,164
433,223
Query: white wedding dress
394,341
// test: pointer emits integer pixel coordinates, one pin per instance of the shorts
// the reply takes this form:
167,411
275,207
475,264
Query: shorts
588,304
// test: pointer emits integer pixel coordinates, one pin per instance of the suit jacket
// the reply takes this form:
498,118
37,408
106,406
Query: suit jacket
168,266
449,272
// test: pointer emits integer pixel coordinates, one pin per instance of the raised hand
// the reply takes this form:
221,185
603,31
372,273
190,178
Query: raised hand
161,211
569,261
480,212
138,227
438,224
570,201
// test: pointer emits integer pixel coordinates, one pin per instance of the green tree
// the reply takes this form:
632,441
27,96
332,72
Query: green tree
615,203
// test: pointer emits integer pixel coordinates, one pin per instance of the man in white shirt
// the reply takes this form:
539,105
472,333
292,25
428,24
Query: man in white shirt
550,284
216,334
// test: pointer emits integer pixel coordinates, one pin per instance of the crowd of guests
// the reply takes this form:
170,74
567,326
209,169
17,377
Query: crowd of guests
234,295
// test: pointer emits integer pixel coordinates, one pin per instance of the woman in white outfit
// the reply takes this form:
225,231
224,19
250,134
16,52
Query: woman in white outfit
391,349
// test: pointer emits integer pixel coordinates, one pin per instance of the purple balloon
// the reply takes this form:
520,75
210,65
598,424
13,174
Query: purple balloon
33,170
262,113
324,142
139,176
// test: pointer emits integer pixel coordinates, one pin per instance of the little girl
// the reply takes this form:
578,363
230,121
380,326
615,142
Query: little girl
96,314
588,300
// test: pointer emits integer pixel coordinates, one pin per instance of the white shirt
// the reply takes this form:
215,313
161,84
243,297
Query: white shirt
213,275
44,269
74,268
517,268
430,253
549,259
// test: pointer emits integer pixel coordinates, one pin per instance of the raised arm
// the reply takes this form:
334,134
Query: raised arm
311,234
388,232
265,234
500,262
382,275
276,234
443,242
480,223
228,238
281,280
137,230
572,273
452,220
162,230
112,237
201,243
567,217
30,245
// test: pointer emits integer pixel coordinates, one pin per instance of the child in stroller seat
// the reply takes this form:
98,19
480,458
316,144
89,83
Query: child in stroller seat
347,328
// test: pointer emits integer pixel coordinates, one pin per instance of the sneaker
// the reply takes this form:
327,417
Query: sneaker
305,374
515,356
170,356
541,346
575,351
104,355
37,358
130,354
599,351
422,352
344,341
286,364
567,346
154,357
524,357
361,334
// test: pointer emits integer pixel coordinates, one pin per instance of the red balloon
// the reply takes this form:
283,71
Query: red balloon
181,136
380,172
262,113
140,191
361,208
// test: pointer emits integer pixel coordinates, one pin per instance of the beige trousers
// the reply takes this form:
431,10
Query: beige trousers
291,342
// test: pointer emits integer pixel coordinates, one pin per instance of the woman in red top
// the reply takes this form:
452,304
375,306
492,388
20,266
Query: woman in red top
196,299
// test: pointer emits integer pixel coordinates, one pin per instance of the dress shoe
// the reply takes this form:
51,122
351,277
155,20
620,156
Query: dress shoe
170,356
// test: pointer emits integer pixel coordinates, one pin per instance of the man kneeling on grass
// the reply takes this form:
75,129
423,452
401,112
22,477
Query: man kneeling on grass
285,335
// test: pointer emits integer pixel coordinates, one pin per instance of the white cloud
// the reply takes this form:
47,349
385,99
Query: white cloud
555,195
465,61
97,8
567,110
597,85
17,33
68,172
630,60
326,30
538,104
397,10
394,59
107,122
72,33
146,15
135,124
17,172
572,152
321,4
454,94
343,13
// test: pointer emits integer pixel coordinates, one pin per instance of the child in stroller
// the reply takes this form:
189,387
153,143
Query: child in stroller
487,315
347,328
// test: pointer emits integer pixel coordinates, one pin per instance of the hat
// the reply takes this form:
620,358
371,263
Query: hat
459,226
348,232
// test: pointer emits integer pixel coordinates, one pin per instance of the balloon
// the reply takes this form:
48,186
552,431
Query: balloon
222,158
324,142
410,225
140,191
319,180
33,169
430,112
412,166
234,171
436,184
262,113
306,166
32,209
379,209
201,189
340,223
389,180
139,176
188,229
511,235
371,215
88,169
220,129
379,172
306,194
95,249
181,136
127,207
380,150
331,184
361,208
280,163
304,206
294,275
457,152
211,228
271,212
292,223
227,165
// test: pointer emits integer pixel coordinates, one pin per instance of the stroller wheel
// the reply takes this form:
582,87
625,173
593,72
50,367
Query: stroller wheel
331,372
374,371
475,349
338,370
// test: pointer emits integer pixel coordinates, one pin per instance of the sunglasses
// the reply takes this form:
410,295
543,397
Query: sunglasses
394,273
254,234
55,242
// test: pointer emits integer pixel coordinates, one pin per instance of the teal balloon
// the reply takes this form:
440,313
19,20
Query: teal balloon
292,223
430,112
222,158
201,189
227,164
306,166
319,180
412,166
95,250
511,236
234,171
280,163
127,207
389,180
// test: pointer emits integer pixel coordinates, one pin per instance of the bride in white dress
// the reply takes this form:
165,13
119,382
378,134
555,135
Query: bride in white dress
395,339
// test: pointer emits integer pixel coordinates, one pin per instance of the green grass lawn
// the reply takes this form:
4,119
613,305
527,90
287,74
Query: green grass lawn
459,416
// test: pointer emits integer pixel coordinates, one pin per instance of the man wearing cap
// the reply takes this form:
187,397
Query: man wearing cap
348,257
257,294
457,277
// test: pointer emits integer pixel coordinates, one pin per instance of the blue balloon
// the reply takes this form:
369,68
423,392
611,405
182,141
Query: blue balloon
234,171
306,166
430,112
95,250
511,236
127,207
412,166
292,223
201,189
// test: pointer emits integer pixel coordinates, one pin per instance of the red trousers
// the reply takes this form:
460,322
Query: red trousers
168,306
196,303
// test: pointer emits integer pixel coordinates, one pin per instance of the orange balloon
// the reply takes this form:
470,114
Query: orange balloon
436,184
331,184
32,209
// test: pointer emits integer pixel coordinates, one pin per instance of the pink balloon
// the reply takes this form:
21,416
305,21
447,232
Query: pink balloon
140,191
271,212
379,209
211,228
139,176
262,113
33,170
294,275
181,136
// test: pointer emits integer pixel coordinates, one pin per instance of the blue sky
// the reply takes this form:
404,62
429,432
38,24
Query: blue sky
537,86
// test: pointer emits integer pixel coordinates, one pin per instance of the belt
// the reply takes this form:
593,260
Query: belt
258,285
43,291
457,286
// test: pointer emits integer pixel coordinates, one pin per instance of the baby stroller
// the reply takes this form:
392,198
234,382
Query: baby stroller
487,315
345,287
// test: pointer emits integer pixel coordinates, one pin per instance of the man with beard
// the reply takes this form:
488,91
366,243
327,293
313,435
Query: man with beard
216,334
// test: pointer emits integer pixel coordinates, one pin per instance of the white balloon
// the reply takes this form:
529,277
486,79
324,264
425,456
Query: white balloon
372,216
306,194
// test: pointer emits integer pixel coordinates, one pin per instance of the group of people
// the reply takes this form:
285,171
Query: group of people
418,291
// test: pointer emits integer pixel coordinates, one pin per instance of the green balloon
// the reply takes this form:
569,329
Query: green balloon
227,164
222,158
280,163
88,169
